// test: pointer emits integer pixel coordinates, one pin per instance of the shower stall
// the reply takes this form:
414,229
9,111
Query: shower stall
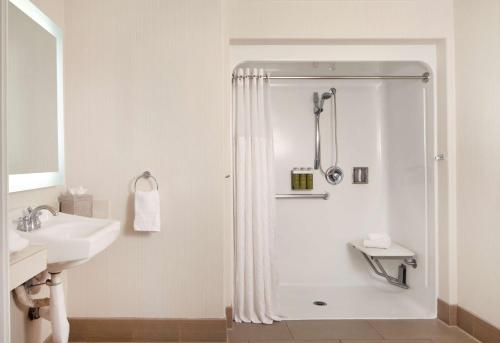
377,118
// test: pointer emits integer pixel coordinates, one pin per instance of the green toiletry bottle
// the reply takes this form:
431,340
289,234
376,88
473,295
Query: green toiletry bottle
310,178
303,178
295,178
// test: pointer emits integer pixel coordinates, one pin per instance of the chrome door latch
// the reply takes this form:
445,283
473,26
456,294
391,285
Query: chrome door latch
439,157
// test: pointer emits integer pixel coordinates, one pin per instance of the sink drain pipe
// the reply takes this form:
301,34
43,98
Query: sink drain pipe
25,299
52,309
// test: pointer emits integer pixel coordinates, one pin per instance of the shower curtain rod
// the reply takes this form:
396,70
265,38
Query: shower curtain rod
424,77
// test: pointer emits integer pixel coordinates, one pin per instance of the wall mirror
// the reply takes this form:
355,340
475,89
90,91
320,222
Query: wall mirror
35,132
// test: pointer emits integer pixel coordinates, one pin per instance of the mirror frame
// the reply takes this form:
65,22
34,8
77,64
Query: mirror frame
23,182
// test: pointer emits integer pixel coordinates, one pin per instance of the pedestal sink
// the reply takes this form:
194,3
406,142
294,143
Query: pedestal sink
72,240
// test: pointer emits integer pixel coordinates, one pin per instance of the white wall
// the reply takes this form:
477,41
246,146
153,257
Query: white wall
343,19
144,91
478,140
313,235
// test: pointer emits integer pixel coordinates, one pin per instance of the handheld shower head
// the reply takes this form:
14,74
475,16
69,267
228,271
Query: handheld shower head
325,96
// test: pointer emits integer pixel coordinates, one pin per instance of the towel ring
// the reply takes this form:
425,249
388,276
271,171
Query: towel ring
145,175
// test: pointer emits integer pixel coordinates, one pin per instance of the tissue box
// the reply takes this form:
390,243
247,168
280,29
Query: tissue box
80,205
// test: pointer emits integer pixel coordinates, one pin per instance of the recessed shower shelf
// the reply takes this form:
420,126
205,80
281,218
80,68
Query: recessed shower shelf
395,251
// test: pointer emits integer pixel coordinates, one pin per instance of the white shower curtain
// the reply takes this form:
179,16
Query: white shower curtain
255,291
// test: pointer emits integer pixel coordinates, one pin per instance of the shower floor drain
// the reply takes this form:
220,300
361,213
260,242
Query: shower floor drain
320,303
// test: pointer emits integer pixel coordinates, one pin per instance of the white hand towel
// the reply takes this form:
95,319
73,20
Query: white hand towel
377,240
147,211
377,243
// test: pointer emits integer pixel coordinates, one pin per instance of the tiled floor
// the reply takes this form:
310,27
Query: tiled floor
349,331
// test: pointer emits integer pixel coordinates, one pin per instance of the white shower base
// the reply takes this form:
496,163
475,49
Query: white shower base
364,302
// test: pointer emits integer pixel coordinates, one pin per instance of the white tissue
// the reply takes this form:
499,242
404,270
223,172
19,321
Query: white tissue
80,190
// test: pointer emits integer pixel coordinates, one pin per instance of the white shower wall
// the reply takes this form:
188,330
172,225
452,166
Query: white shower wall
383,125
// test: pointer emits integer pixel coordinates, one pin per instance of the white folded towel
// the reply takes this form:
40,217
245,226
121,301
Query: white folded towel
147,211
377,240
380,235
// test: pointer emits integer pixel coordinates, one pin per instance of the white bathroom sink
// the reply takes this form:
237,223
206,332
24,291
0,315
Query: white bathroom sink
73,240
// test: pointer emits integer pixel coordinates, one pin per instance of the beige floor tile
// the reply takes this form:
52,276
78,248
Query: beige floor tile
457,336
424,328
300,341
259,332
332,329
206,330
386,341
346,331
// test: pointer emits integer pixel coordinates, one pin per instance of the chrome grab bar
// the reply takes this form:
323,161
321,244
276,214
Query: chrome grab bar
323,196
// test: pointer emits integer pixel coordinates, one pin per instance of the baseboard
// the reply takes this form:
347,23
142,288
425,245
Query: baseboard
146,330
477,327
469,322
446,312
229,317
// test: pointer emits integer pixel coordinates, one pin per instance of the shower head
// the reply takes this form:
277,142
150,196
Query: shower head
318,103
326,96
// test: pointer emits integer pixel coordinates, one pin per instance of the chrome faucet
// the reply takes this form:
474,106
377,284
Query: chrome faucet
30,220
